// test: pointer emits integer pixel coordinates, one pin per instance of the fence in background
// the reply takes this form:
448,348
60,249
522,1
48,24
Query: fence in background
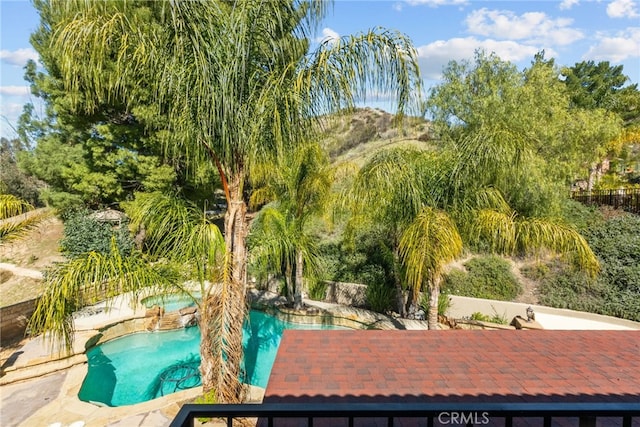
627,199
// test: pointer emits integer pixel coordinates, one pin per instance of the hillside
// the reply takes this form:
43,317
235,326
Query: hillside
21,260
357,135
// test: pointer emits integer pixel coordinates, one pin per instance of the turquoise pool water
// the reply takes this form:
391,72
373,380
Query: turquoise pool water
171,302
144,366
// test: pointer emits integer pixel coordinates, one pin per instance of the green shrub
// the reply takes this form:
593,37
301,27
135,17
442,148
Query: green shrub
209,398
317,290
64,203
380,297
616,243
444,303
500,319
582,217
369,260
479,317
566,288
488,277
84,234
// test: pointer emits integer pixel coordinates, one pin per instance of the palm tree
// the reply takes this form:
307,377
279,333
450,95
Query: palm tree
427,245
239,88
421,199
11,205
390,190
300,186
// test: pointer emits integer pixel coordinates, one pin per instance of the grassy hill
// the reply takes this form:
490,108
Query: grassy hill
355,136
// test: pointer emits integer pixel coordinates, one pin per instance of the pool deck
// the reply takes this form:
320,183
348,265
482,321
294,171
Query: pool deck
40,386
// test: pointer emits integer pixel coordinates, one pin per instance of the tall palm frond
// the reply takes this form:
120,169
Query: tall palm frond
87,279
18,226
274,243
426,245
379,61
509,234
487,157
430,241
387,185
177,230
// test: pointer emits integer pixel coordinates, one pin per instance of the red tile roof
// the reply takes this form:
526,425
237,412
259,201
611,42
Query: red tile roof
455,366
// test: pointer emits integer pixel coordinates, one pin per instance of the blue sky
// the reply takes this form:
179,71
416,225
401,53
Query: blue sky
441,30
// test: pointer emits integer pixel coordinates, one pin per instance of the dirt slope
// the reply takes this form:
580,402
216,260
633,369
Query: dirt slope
23,261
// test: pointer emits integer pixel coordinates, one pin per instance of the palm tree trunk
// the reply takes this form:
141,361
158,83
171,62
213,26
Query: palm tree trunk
402,309
297,299
288,279
209,359
434,294
235,232
223,314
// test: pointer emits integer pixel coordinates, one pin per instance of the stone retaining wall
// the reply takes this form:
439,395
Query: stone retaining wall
14,318
317,317
353,294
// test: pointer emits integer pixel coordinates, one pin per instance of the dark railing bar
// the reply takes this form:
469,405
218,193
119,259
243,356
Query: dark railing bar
587,421
626,421
310,421
405,410
508,422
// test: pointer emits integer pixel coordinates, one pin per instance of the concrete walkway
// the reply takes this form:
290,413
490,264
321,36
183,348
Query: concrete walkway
548,317
20,271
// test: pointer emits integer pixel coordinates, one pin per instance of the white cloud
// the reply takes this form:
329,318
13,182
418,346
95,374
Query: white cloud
622,9
534,27
328,35
616,48
18,57
568,4
436,3
15,90
434,56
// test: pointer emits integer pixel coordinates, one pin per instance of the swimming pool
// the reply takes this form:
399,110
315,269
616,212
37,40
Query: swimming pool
143,366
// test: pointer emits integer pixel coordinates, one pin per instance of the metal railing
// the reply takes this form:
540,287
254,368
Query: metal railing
405,414
627,199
